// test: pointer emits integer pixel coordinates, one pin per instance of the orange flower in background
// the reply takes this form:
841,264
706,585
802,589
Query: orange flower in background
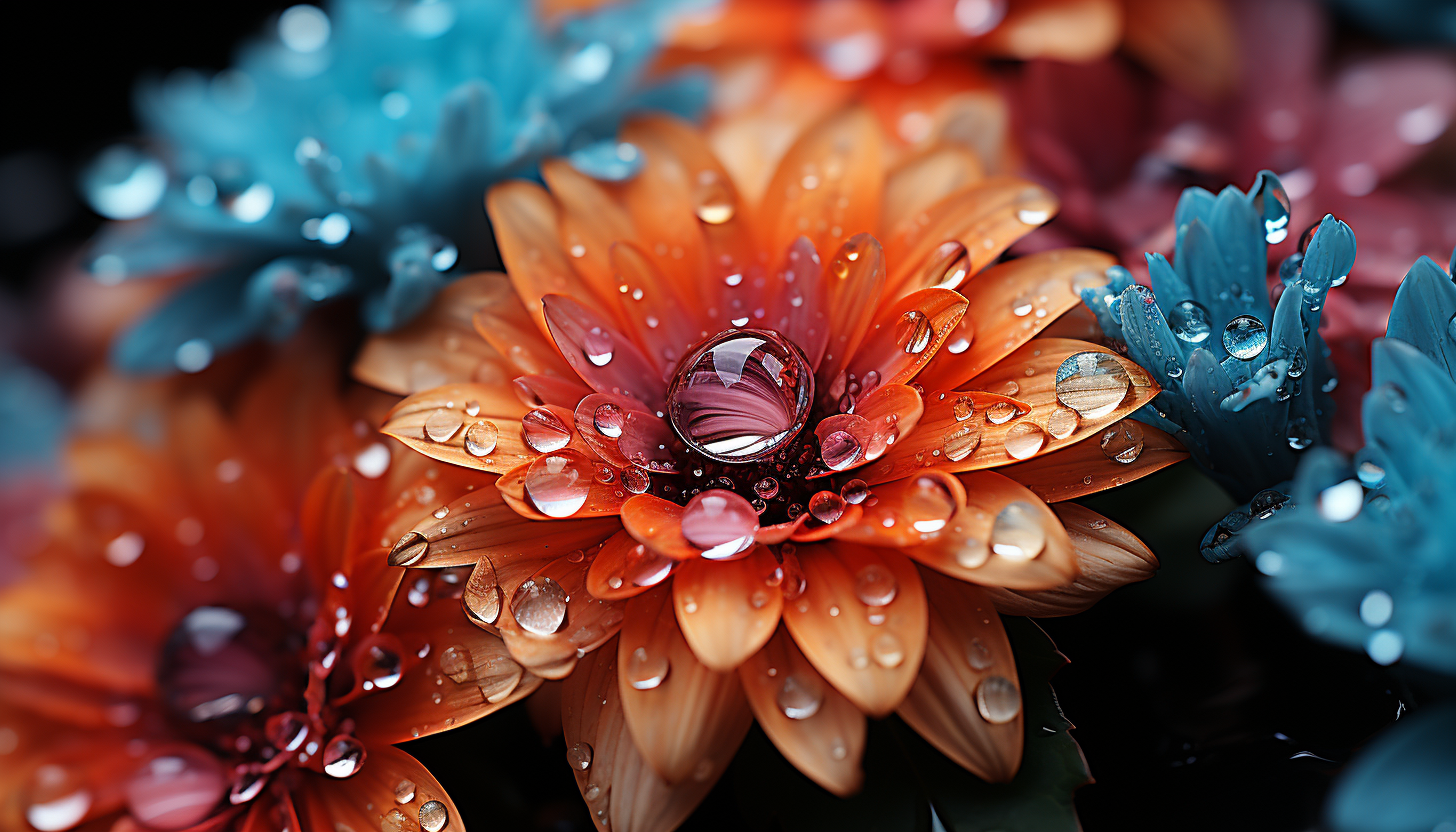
734,456
211,639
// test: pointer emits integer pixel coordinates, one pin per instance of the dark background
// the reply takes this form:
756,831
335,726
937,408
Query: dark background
1197,703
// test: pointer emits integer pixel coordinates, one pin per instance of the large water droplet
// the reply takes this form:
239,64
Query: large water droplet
558,485
962,441
539,606
58,801
1024,440
176,789
442,424
124,183
608,419
404,791
645,670
712,202
636,480
1123,442
409,550
948,265
1245,337
1000,413
579,756
343,757
543,431
1091,383
978,655
742,395
855,491
433,816
800,696
913,332
455,662
875,586
1272,203
998,700
1190,322
839,449
480,438
1017,533
482,595
887,650
719,522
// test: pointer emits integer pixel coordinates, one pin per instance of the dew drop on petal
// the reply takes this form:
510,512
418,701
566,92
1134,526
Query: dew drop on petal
636,480
543,431
800,696
433,816
855,491
719,522
948,265
539,606
480,438
741,395
579,756
962,441
557,485
978,656
176,789
766,488
404,791
913,332
875,586
998,700
888,650
1341,501
608,420
1062,423
442,424
839,450
1024,440
645,670
1017,533
1092,383
1000,413
1123,442
1190,322
1245,337
826,506
343,757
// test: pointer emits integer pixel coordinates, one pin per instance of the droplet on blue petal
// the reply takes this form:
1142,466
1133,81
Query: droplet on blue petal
333,229
252,204
123,183
307,148
193,356
1385,646
1245,337
1289,268
202,190
1376,608
1272,203
1370,474
1341,501
1270,563
1299,434
420,251
394,105
304,28
1190,322
609,161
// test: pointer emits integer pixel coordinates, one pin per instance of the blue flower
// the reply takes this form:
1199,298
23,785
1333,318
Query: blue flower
1244,384
1365,554
348,153
33,411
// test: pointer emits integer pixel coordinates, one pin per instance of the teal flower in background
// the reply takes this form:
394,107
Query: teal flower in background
1364,555
348,153
1244,383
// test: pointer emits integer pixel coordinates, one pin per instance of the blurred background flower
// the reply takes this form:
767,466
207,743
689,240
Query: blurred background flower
346,154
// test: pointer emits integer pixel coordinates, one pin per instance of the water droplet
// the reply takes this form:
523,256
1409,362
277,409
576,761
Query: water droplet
539,606
433,816
124,183
839,449
1370,474
1272,203
875,586
1245,337
455,662
962,441
1299,434
713,203
1376,608
1000,413
646,671
579,756
742,395
480,438
176,789
404,791
948,265
719,522
998,700
409,550
858,658
1062,423
441,425
481,597
343,757
1341,501
1021,306
1017,533
1189,322
888,650
766,488
963,408
978,656
636,480
913,332
543,431
1024,440
558,485
855,491
608,419
1123,442
800,696
1092,383
826,506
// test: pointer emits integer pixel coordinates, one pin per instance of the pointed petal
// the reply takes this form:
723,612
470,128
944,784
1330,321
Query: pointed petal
536,390
928,177
795,307
438,423
829,180
1084,468
726,609
1029,374
854,280
657,524
986,218
621,790
813,725
1005,536
624,568
541,641
370,798
905,336
600,354
873,665
949,431
813,530
509,328
966,648
565,484
441,345
908,512
661,313
1009,304
481,524
1108,556
526,221
591,221
682,715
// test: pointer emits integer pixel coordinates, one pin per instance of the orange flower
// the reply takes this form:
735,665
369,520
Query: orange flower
767,475
211,638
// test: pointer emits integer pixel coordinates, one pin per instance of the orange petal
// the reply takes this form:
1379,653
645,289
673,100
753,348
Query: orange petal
827,186
509,328
657,524
371,799
660,313
526,221
566,484
904,336
624,568
1079,324
481,524
1192,43
1073,31
873,664
808,533
1029,374
1009,304
978,727
813,725
1085,468
1004,536
928,177
986,218
726,609
622,792
683,716
592,220
600,354
908,512
549,619
660,199
470,670
854,279
600,419
439,424
441,345
893,410
779,532
1108,556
